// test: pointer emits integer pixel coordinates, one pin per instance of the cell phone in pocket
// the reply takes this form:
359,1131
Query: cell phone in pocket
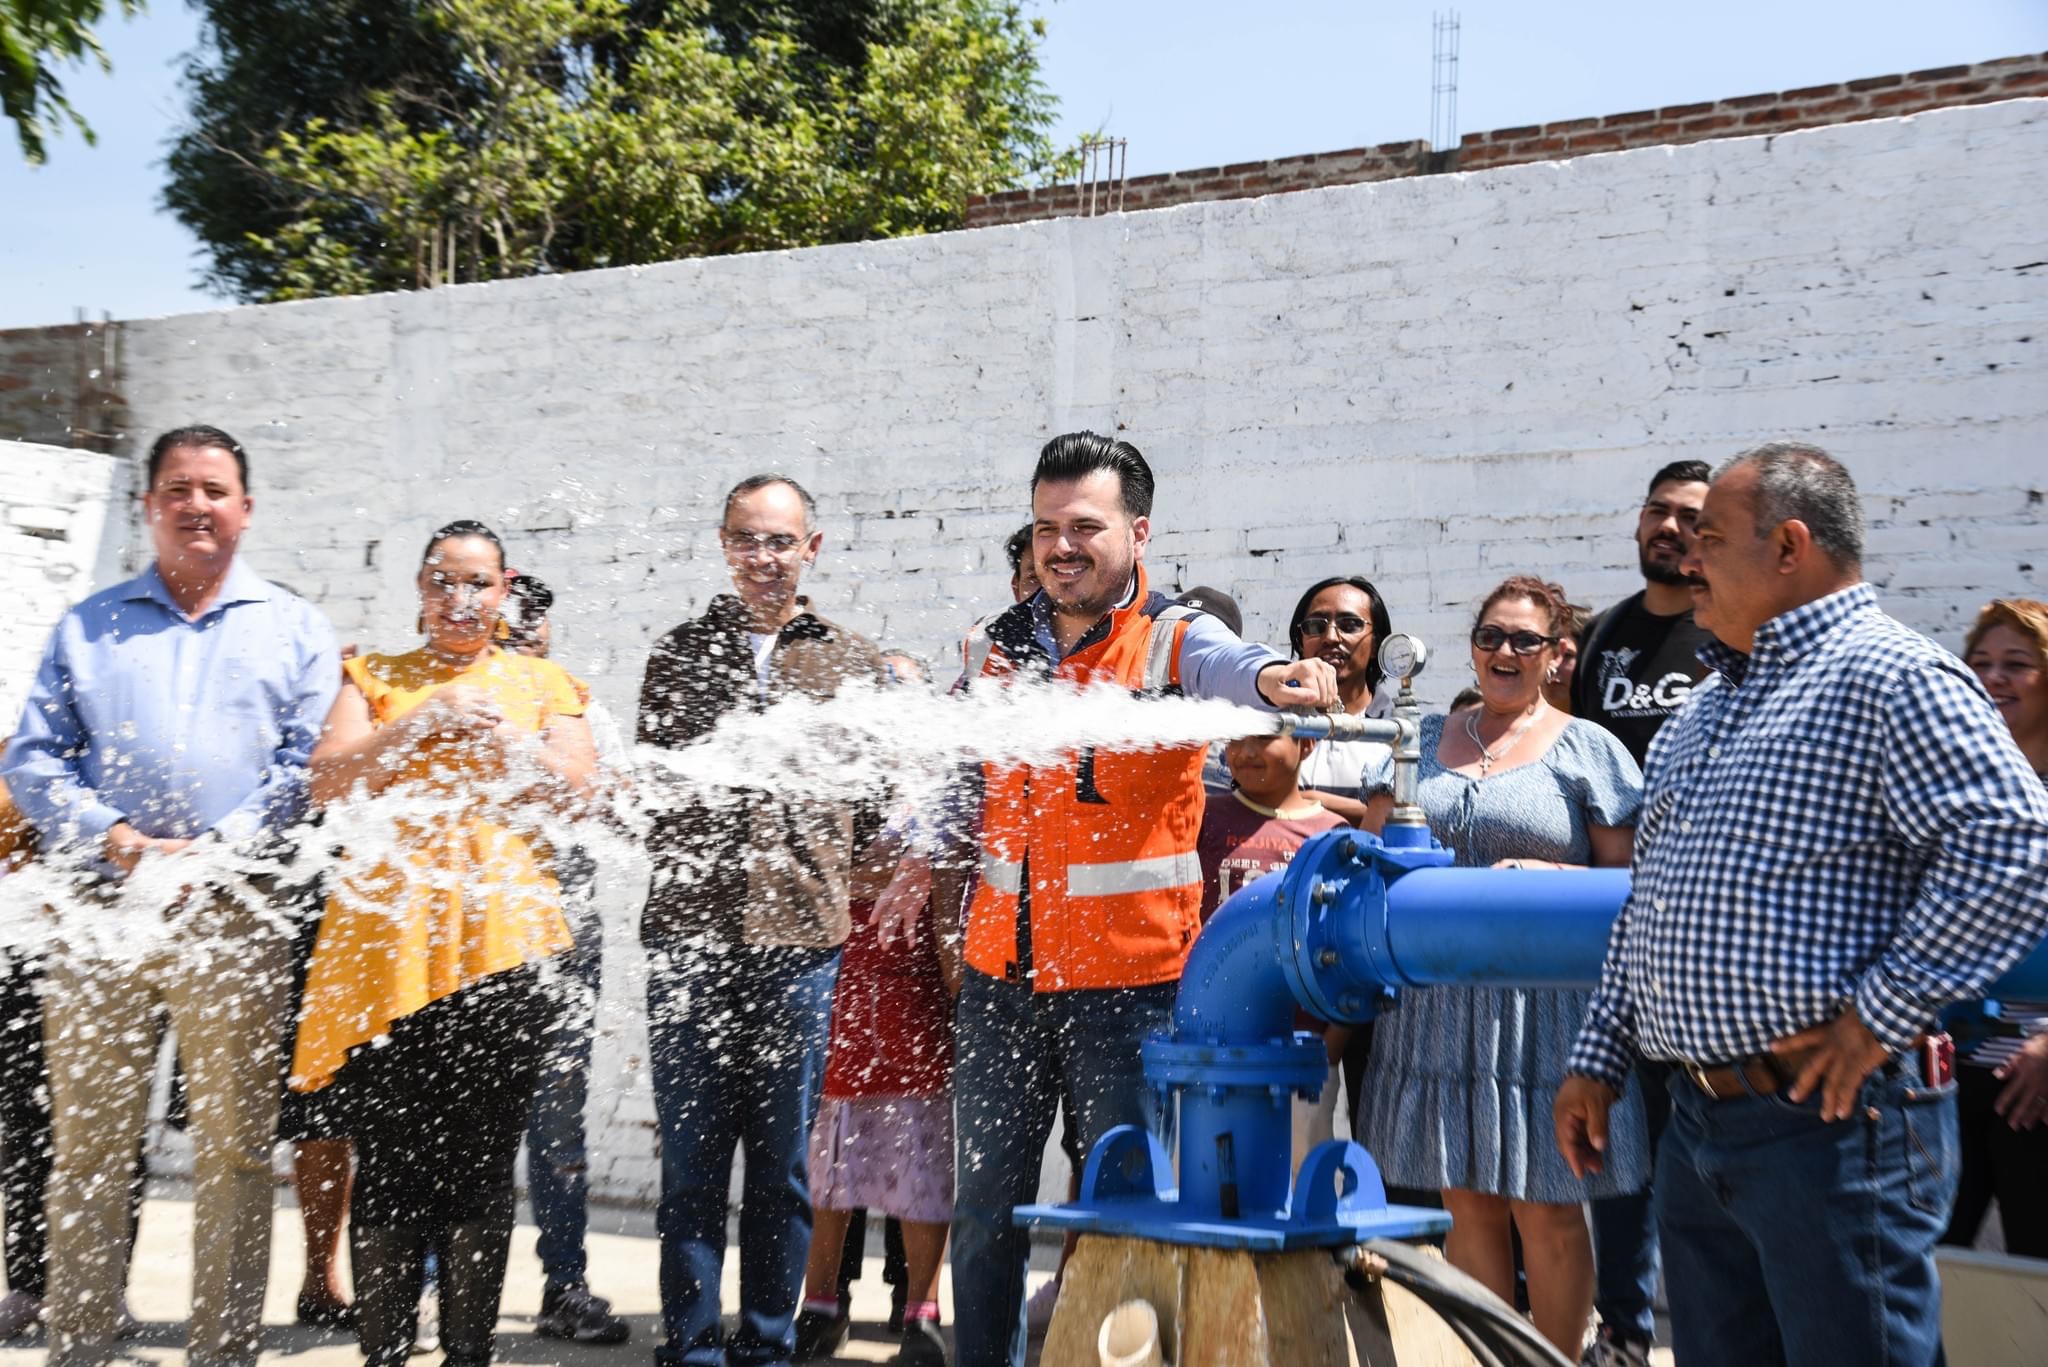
1938,1060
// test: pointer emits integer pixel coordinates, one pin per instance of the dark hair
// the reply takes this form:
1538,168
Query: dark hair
755,483
1576,616
198,435
1382,622
535,598
1017,546
1465,697
1079,454
1548,597
463,526
1680,472
1797,481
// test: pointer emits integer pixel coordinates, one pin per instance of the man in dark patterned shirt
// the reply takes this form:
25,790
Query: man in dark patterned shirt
1838,839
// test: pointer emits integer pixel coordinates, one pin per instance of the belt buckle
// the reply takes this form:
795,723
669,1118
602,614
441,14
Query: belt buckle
1698,1074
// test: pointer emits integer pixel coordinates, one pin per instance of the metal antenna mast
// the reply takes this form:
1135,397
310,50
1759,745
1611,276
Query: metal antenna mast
1443,84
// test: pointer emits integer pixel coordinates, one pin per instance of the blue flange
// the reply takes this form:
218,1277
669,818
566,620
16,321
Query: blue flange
1335,949
1339,1200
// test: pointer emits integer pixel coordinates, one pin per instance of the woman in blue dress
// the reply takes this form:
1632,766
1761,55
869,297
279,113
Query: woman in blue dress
1460,1085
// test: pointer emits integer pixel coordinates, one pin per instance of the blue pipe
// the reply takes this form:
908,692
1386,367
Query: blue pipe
1528,927
1233,989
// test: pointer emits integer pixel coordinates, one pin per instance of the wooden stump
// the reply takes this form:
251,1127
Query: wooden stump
1227,1308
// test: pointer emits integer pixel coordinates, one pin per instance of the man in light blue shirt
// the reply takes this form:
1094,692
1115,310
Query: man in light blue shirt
168,733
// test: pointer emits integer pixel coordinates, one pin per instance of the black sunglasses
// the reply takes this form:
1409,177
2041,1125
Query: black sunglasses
1348,624
1492,638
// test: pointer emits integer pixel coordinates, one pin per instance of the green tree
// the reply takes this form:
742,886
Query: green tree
552,135
35,36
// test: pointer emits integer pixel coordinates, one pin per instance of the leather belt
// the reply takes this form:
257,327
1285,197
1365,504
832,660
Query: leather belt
1764,1074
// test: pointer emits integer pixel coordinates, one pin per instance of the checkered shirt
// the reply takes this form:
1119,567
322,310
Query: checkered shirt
1839,818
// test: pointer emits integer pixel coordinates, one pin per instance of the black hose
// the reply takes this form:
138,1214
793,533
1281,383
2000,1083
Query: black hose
1488,1327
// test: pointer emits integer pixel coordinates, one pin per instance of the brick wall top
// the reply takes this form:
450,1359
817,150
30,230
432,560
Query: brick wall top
1873,97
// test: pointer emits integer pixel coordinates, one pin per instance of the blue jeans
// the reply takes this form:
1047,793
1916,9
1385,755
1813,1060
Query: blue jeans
557,1164
737,1040
1791,1241
1625,1227
1020,1054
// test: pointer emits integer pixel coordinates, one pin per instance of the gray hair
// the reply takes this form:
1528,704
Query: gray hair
1797,481
755,483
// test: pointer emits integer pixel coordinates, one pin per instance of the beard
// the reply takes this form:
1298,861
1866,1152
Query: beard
1113,579
1659,573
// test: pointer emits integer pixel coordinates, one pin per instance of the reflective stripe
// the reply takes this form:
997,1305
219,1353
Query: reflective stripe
975,651
1133,875
1159,656
1004,876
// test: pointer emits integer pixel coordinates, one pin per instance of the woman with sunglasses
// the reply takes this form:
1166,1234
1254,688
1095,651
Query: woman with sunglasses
1459,1090
1342,620
425,1006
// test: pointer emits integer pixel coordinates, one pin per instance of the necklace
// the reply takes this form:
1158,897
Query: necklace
1489,758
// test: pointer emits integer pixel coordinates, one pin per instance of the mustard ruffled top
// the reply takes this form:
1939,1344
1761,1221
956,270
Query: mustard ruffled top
456,896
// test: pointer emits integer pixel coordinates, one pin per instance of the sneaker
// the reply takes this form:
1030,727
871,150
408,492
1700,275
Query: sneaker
1038,1310
923,1344
819,1336
1613,1347
426,1331
20,1313
573,1313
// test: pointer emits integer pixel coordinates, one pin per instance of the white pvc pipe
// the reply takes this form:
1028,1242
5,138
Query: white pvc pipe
1130,1336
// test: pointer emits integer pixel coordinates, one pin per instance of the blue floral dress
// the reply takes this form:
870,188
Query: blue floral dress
1459,1089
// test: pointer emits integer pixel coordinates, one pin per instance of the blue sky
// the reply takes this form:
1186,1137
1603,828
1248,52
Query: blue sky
1189,82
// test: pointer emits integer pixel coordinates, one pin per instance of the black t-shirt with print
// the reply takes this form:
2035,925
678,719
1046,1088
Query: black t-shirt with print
1635,670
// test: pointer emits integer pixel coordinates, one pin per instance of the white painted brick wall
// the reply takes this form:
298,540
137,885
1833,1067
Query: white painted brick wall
1436,381
61,530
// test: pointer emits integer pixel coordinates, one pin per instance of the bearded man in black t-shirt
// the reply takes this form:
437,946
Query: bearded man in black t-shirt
1638,660
1637,665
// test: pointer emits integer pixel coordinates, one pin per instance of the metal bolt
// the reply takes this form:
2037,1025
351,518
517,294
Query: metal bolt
1327,958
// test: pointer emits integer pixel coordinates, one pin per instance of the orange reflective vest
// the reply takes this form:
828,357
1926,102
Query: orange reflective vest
1098,850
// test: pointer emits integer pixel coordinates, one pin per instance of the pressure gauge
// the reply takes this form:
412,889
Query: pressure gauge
1402,656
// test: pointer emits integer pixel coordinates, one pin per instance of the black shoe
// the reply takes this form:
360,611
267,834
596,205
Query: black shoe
819,1336
325,1314
923,1344
573,1313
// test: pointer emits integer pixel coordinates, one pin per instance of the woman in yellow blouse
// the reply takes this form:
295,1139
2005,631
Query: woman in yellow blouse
424,1003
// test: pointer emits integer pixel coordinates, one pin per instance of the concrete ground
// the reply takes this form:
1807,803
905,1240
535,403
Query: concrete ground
622,1269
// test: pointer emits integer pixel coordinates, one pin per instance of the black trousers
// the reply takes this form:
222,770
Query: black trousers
1999,1163
437,1113
27,1148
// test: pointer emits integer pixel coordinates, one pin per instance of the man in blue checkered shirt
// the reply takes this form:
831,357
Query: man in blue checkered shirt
1838,838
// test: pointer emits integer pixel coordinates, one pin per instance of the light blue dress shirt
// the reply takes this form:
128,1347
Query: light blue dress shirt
177,726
